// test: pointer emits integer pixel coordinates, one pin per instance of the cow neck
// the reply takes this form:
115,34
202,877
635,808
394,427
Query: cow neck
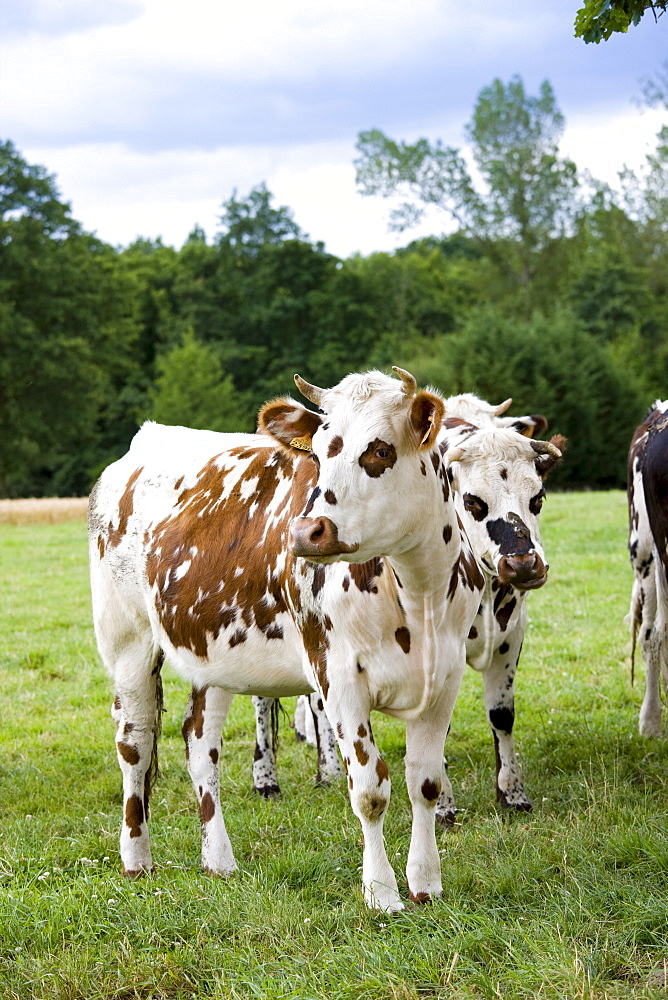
425,567
424,584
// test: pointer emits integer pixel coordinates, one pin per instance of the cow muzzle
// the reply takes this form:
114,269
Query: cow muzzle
525,571
317,539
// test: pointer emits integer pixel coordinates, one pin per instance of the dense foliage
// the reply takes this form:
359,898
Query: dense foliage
599,19
551,290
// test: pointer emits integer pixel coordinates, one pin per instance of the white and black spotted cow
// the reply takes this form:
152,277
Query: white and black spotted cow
497,475
231,556
648,540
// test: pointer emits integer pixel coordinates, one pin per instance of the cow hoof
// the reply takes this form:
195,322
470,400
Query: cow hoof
446,819
509,808
134,873
268,791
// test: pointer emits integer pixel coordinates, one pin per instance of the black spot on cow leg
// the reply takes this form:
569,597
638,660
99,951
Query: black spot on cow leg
502,719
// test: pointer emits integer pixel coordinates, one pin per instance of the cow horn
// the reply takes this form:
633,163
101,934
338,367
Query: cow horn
408,383
546,448
502,407
311,392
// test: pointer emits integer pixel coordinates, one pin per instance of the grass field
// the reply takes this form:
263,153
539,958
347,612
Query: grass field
570,901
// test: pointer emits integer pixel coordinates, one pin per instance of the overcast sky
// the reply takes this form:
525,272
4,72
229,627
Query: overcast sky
151,112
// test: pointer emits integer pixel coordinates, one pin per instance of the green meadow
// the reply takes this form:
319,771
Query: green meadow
570,901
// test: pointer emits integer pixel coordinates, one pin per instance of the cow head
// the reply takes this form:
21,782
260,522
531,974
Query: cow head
498,472
369,448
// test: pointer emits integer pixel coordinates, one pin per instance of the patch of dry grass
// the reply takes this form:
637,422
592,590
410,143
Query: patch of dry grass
45,510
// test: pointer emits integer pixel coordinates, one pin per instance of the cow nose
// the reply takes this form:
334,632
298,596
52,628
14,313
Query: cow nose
525,571
315,537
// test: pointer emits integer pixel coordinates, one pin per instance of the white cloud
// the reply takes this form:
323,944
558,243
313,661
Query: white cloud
150,112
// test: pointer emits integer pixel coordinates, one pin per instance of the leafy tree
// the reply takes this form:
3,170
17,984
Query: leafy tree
550,366
66,336
252,223
527,195
192,390
599,19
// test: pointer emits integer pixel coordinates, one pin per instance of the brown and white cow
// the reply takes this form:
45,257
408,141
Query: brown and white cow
231,556
497,475
648,539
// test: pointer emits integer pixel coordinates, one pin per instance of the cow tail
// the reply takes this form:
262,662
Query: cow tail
276,709
633,620
151,775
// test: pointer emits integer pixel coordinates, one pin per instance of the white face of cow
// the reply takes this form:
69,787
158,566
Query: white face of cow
498,486
370,449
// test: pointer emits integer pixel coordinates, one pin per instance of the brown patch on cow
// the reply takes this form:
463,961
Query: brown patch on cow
134,815
335,446
346,583
360,668
419,898
466,570
504,613
125,510
504,474
311,502
382,771
117,703
423,468
350,782
339,730
447,534
100,546
361,730
239,636
194,720
372,806
403,637
378,457
318,579
362,755
217,535
364,574
330,496
316,644
430,790
214,755
207,808
473,632
178,483
129,753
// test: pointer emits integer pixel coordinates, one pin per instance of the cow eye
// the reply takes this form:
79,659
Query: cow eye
377,457
536,503
475,506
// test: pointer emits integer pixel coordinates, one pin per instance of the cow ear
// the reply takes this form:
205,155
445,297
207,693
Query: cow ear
549,457
530,426
289,423
427,411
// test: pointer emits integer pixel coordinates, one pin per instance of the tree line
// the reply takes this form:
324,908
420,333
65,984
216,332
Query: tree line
552,289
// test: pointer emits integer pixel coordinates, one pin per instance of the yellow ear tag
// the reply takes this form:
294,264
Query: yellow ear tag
302,443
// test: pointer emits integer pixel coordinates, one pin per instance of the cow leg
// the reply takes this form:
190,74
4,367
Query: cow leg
369,790
445,807
202,727
265,777
424,777
499,694
649,722
137,711
329,768
303,721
